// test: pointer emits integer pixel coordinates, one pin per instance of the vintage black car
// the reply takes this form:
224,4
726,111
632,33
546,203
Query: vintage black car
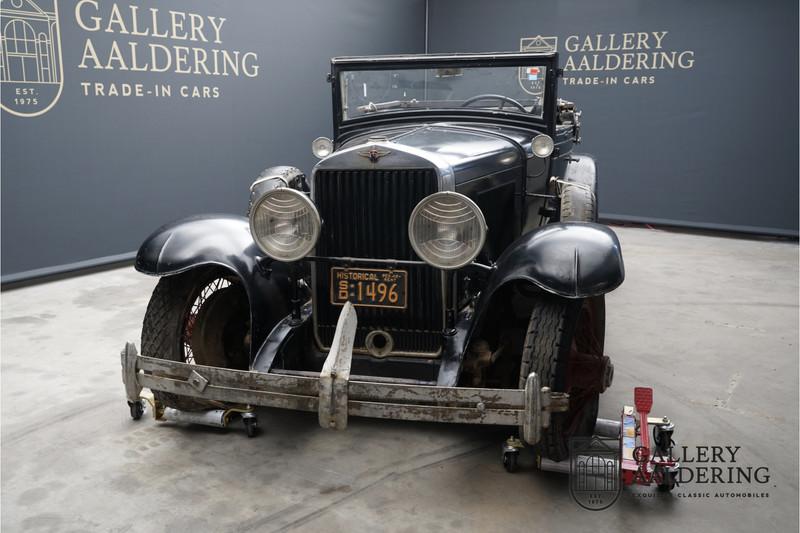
441,262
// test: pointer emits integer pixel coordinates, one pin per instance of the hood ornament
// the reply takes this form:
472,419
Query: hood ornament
374,154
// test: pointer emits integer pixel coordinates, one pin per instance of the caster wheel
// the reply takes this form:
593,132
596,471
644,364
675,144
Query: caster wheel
137,409
250,426
665,479
510,461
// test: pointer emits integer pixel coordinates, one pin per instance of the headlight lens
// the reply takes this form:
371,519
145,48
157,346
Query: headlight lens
542,146
447,230
322,147
285,224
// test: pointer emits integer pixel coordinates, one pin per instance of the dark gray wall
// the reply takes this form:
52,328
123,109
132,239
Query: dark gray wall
713,145
94,175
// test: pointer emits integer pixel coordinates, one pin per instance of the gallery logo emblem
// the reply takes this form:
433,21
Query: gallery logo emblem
538,44
595,477
31,69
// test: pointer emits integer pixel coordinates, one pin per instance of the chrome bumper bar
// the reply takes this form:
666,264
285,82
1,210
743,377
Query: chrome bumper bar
335,397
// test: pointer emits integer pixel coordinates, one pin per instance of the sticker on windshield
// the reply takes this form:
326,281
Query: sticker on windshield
531,79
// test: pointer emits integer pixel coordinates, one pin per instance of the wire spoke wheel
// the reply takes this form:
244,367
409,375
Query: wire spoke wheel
191,317
200,317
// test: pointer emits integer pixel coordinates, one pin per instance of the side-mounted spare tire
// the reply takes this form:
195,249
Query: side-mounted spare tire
578,203
200,317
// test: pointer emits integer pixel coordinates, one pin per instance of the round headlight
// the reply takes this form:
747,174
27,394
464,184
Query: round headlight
542,145
322,147
285,224
447,230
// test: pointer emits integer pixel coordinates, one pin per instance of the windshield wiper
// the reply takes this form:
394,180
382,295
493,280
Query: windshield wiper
393,104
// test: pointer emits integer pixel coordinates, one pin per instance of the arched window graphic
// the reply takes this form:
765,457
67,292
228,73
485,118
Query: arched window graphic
43,49
3,73
54,59
611,475
583,475
21,56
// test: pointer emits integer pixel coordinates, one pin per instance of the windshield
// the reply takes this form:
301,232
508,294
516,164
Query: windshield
509,89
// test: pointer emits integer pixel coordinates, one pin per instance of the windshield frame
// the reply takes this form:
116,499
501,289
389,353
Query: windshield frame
344,128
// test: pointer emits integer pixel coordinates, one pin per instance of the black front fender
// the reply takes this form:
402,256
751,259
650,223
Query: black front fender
573,260
223,241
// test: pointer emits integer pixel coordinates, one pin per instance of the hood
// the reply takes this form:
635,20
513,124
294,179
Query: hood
466,151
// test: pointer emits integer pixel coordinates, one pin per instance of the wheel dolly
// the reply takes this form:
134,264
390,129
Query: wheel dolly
220,418
638,462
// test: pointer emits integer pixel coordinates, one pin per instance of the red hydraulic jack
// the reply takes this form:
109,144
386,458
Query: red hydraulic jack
641,462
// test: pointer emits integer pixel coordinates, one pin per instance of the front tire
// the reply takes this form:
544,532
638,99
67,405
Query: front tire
558,331
199,317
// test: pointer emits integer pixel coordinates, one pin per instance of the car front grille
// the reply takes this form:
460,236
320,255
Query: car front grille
365,214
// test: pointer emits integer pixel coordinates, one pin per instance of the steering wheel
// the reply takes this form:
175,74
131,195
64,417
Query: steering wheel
503,100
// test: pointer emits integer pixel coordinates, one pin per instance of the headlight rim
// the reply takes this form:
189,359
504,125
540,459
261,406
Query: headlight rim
315,217
477,210
550,142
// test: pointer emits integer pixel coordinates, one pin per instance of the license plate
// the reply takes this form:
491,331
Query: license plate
369,287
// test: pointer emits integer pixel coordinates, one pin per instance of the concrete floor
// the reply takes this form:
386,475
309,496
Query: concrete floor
710,322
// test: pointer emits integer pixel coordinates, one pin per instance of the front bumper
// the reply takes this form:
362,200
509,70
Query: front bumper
335,397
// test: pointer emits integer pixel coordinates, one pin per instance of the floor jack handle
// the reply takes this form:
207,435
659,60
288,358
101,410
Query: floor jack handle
643,399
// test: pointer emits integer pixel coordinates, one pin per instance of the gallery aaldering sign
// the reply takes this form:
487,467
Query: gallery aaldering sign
625,58
116,38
